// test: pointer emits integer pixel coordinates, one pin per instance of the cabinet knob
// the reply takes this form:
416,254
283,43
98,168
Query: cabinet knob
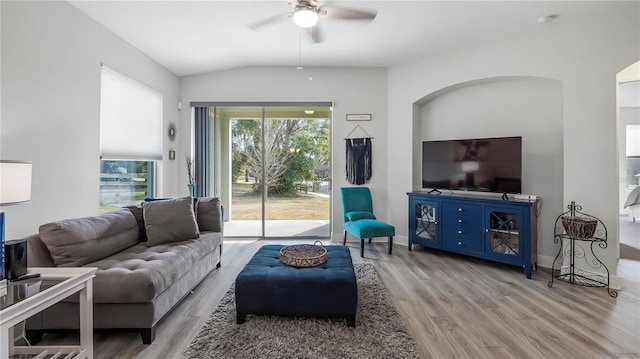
436,222
486,230
459,209
459,232
459,243
459,220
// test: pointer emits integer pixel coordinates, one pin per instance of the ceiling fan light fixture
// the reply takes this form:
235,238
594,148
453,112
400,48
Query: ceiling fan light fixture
305,17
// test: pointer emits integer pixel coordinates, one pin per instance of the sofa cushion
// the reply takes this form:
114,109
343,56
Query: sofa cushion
170,221
76,242
208,214
140,273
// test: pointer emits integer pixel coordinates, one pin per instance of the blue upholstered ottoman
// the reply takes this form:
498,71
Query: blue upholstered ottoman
266,286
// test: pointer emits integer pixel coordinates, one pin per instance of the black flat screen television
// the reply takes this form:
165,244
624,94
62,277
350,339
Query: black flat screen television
481,164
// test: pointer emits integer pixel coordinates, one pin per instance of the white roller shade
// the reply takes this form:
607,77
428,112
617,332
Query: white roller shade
633,140
130,119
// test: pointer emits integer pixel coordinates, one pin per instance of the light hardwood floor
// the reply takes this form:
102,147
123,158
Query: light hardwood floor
455,306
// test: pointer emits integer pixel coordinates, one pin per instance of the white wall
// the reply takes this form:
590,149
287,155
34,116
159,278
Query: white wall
352,90
51,58
584,56
504,107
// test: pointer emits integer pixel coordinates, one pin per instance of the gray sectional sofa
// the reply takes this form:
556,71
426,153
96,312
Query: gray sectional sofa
148,257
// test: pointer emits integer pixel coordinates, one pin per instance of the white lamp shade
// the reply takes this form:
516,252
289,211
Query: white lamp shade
15,182
305,17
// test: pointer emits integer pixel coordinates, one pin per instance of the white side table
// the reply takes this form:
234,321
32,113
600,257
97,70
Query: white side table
73,280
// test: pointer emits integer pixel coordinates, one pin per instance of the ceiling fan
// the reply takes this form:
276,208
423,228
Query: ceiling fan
306,14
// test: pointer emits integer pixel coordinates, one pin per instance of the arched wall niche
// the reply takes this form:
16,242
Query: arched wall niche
526,106
456,86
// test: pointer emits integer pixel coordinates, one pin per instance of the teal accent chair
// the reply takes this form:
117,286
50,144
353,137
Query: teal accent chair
359,220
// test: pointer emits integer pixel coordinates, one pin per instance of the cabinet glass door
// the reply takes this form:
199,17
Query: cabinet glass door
426,220
503,230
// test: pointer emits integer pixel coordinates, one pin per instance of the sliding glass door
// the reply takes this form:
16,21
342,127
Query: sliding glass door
297,159
273,169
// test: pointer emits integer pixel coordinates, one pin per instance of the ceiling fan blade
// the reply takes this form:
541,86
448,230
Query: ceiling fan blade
269,21
333,12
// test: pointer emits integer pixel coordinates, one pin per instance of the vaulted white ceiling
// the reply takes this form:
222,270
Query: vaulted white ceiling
191,37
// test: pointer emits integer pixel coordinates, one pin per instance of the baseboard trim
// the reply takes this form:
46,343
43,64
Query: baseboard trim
545,261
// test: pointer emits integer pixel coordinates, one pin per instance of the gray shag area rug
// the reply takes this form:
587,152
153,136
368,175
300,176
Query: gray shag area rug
379,331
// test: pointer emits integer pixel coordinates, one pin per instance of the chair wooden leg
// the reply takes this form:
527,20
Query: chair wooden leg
361,247
390,244
344,241
370,240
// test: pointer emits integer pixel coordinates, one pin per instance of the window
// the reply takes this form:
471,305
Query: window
633,156
124,183
130,140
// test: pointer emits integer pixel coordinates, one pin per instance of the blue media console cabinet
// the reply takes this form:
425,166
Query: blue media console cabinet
485,227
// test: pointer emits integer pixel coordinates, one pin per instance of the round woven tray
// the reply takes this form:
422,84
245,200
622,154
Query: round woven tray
303,255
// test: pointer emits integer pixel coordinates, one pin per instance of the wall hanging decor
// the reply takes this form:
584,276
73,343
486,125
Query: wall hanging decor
359,157
171,132
359,117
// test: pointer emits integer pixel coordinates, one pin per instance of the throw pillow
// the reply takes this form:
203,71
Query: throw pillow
137,212
153,199
79,241
170,220
209,214
356,215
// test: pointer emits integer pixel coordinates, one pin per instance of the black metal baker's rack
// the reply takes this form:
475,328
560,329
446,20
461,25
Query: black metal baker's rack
575,230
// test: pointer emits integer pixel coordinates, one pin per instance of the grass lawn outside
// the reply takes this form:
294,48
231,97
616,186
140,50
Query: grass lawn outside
106,208
246,205
124,199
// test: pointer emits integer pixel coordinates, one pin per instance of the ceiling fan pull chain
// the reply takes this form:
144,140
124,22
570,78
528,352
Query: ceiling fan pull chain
300,51
310,48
